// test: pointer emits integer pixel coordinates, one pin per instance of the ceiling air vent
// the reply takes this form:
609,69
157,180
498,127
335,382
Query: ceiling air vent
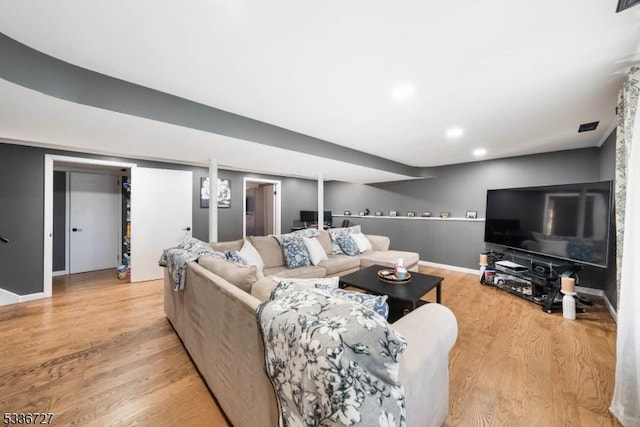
586,127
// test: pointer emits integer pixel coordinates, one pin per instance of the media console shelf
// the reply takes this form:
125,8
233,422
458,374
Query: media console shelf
536,280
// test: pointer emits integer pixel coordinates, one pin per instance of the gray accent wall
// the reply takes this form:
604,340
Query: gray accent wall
461,188
21,220
297,194
59,220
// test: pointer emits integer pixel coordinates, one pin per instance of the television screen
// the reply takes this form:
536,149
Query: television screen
568,221
312,216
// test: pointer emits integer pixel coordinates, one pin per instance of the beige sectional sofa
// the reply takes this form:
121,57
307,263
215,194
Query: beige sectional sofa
215,317
336,265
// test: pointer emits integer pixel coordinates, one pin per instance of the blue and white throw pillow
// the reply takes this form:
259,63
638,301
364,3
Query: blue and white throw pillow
234,257
377,303
347,245
295,253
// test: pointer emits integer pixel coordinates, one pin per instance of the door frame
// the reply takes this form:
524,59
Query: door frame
49,164
276,205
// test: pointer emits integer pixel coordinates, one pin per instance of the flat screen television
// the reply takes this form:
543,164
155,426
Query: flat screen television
312,216
570,221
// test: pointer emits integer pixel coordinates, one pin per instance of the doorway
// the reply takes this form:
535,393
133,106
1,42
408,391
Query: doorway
94,221
261,207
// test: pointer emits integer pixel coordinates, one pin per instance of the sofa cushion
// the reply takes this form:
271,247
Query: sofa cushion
269,249
325,240
310,272
232,245
250,255
362,242
295,253
234,257
240,275
315,249
262,288
347,245
388,258
339,263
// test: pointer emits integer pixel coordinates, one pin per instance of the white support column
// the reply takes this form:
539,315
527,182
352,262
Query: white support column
320,202
213,200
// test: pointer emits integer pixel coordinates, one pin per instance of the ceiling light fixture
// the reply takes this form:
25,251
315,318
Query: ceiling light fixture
403,92
478,152
454,132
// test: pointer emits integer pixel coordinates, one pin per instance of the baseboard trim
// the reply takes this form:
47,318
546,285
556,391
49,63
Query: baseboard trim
590,291
612,310
449,267
8,297
59,273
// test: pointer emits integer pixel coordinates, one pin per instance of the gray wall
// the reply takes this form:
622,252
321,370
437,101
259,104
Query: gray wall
607,173
297,194
22,210
59,220
460,188
463,187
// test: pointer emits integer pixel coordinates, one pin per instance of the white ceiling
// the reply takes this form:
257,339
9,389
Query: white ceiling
518,77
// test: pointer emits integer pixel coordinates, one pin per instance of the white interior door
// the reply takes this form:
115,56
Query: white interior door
94,219
161,205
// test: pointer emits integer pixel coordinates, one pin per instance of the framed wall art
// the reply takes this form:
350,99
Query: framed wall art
224,192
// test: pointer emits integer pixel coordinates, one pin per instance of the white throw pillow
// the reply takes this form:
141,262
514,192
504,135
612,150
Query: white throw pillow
315,249
362,242
250,255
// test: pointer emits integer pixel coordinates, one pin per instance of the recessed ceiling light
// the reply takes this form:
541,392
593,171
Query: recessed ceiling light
479,152
454,132
403,92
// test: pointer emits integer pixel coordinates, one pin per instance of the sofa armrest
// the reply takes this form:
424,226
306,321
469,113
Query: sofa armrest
379,243
431,331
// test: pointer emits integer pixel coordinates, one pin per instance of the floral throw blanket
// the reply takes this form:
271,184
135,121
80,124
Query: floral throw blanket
176,259
331,361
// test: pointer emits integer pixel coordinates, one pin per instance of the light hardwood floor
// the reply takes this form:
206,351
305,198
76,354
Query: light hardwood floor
100,352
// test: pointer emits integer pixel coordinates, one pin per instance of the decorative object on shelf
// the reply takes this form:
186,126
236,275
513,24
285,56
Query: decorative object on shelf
445,214
472,214
367,211
411,214
426,214
361,213
393,213
224,192
390,277
378,213
347,212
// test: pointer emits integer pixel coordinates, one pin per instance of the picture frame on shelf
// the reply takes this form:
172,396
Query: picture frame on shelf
393,213
347,213
378,213
445,214
411,214
472,214
426,214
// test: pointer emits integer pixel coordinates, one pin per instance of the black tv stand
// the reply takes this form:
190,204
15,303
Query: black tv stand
536,280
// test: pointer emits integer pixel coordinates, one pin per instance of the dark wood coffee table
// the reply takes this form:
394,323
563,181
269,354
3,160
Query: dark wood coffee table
400,294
